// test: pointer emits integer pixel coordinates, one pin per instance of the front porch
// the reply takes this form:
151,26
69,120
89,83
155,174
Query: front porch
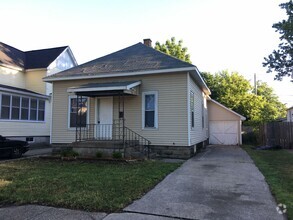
106,133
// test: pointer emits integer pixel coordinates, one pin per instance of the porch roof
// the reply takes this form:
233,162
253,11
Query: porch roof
106,89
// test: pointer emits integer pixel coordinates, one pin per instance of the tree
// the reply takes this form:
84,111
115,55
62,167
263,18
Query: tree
281,60
174,49
235,92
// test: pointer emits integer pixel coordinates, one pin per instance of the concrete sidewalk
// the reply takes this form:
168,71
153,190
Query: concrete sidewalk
37,212
38,151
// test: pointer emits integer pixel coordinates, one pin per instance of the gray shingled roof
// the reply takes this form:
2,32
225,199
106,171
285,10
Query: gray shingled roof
29,59
138,57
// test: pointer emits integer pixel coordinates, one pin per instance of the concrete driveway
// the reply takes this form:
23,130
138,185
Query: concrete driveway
220,183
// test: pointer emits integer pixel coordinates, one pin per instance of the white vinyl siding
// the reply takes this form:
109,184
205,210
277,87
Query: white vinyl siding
200,131
172,108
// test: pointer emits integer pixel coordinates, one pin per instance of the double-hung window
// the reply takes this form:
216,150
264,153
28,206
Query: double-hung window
202,114
41,110
15,108
24,108
78,112
33,109
150,110
191,109
5,106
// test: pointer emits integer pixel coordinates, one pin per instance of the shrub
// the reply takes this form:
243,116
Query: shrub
117,155
99,154
69,153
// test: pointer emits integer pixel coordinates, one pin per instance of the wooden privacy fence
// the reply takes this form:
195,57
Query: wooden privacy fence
277,134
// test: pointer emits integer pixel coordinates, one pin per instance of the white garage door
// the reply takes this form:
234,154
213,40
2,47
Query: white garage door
224,132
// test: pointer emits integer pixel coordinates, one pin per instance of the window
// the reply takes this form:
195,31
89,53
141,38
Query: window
191,109
29,139
22,108
81,110
5,107
15,107
33,110
41,110
202,115
150,112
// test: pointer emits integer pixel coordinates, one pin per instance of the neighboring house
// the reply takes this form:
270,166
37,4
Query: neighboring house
162,99
224,124
25,100
290,114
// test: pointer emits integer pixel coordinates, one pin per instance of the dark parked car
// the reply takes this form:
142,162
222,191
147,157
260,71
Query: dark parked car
12,148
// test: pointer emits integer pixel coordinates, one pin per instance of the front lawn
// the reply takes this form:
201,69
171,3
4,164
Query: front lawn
277,167
96,186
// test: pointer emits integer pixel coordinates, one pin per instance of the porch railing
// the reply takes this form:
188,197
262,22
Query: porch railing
113,132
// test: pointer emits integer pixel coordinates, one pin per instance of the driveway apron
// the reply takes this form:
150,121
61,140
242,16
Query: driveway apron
220,183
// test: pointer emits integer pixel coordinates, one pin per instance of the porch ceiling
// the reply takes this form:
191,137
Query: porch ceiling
106,89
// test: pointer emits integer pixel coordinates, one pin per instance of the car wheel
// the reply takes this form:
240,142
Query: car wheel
16,152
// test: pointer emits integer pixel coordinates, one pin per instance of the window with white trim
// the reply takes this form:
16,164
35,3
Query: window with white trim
81,110
191,109
5,106
14,107
150,109
33,109
24,108
15,110
202,114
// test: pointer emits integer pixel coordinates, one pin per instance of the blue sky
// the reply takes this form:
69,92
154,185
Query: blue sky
219,34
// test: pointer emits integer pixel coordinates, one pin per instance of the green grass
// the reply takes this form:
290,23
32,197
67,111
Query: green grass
96,186
277,167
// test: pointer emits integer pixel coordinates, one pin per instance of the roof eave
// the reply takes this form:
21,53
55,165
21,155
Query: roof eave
199,79
31,94
118,74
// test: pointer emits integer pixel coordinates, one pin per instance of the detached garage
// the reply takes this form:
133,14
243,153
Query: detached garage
224,124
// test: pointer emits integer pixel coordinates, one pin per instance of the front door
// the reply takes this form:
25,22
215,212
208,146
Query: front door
104,118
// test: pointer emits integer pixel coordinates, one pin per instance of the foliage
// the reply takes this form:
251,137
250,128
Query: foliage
235,92
250,138
174,49
69,153
91,186
99,154
281,60
117,155
277,167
